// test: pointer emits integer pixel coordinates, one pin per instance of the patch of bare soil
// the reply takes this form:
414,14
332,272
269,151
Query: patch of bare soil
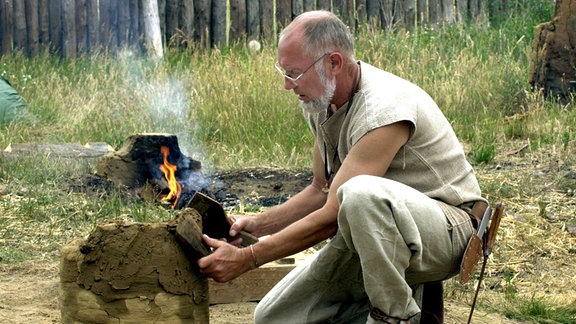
29,294
534,255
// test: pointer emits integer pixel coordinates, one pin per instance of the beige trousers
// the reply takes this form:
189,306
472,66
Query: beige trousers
390,238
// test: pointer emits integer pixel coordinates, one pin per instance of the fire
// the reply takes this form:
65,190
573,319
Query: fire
169,171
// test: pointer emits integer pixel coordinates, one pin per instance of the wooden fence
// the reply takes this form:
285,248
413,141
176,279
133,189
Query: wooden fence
73,27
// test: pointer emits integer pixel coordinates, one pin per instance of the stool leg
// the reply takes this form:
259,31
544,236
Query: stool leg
432,303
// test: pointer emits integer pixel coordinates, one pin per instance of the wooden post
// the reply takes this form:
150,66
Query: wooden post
93,19
351,14
6,26
435,12
44,23
105,29
267,19
82,25
32,27
253,19
298,8
373,10
283,13
462,11
202,23
323,5
422,14
448,11
187,19
473,9
55,28
68,29
217,20
361,15
135,34
172,22
20,34
410,13
237,20
309,5
162,16
387,9
153,38
123,25
338,9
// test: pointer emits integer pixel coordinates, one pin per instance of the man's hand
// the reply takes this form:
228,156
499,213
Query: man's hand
243,223
226,262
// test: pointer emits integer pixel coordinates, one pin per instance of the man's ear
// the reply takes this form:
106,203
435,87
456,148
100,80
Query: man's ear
336,62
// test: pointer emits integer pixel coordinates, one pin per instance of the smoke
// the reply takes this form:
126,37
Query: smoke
168,100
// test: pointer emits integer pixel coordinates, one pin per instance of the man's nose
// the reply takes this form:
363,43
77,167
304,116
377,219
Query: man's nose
288,84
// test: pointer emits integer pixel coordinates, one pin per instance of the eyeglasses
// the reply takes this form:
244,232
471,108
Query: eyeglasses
292,79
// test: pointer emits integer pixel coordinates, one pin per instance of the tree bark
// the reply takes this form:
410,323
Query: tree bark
253,19
68,29
202,22
218,23
151,20
20,34
237,20
283,13
32,27
93,34
82,25
267,19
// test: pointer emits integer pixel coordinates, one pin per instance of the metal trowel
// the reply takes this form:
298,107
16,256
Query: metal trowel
215,223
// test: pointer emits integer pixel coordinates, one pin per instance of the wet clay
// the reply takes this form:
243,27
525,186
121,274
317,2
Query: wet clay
131,272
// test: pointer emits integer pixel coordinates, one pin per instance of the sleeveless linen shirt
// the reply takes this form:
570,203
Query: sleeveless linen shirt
432,161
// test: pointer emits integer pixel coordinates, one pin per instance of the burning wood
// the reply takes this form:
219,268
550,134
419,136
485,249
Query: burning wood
169,171
154,159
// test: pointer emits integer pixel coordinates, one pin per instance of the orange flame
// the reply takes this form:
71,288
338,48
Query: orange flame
169,171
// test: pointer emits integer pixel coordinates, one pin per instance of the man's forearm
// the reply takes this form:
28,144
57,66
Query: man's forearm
302,204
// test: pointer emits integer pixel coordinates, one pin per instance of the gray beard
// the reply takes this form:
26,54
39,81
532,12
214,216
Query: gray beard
321,104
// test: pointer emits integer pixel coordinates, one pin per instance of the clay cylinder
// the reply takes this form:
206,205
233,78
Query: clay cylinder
131,273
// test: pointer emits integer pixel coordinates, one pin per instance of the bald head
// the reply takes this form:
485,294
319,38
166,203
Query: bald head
320,32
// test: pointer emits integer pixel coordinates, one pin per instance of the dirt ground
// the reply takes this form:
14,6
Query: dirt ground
29,290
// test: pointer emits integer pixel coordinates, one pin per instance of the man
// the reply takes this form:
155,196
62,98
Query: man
390,188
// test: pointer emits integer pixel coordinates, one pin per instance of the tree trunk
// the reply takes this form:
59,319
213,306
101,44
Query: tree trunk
82,25
151,21
267,19
32,27
20,34
187,19
237,20
93,34
218,23
253,19
68,29
172,22
123,23
202,22
283,13
55,28
6,26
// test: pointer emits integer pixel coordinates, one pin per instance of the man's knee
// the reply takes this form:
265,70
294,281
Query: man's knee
361,191
357,186
259,313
